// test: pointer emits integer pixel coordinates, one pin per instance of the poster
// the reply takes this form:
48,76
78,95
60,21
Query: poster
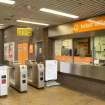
66,48
22,52
31,48
68,43
63,47
6,51
58,46
39,51
9,51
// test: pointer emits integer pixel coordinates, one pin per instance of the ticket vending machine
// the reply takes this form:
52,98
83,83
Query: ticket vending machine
3,80
36,74
18,77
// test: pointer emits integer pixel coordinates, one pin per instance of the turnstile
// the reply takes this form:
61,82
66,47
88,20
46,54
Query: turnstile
36,74
3,80
18,77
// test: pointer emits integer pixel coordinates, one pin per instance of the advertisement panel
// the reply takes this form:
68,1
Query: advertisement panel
9,51
22,52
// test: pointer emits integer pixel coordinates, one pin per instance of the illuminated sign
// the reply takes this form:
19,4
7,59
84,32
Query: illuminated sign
24,31
92,24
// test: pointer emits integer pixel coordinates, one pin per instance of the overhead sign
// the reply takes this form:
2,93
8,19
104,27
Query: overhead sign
24,31
92,24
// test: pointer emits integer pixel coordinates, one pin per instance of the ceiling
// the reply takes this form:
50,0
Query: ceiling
29,9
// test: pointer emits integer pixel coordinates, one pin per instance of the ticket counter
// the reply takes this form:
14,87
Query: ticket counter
82,63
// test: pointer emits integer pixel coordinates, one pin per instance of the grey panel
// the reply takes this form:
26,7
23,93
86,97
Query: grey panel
88,71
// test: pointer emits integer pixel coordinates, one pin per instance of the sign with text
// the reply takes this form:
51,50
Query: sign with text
97,23
24,31
92,24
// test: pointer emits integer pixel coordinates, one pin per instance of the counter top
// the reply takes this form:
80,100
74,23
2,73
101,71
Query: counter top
88,70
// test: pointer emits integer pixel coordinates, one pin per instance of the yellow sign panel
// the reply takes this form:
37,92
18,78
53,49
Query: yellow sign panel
24,31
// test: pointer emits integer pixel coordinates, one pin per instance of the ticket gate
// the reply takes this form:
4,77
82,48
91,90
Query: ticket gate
3,80
18,77
36,74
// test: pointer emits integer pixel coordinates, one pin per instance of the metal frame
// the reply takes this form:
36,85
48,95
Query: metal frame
36,74
18,77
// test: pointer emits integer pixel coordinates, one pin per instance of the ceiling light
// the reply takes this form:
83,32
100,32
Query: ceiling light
11,2
1,24
58,13
30,22
2,27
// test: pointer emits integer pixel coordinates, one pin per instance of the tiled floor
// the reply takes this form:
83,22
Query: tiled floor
49,96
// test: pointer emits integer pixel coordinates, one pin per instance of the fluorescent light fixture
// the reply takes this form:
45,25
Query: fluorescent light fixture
1,24
11,2
58,13
31,22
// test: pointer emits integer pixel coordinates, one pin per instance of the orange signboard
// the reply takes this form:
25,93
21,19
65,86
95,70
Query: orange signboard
77,59
22,52
83,59
92,24
64,58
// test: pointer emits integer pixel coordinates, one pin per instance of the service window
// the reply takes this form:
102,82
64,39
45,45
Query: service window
99,49
82,50
63,50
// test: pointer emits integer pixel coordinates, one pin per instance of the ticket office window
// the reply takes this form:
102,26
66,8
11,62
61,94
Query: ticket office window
63,50
82,50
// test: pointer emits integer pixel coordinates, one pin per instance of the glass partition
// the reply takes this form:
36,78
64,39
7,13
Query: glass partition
99,50
90,50
78,50
63,50
82,50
